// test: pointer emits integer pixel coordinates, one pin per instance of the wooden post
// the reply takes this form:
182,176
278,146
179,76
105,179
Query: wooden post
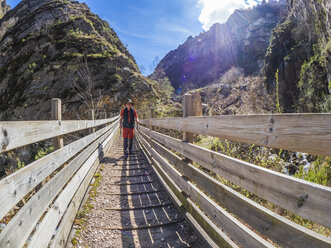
57,115
197,104
187,111
152,116
192,106
105,115
92,130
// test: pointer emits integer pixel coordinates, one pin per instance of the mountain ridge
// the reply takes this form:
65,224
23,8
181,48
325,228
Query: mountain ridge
241,42
45,43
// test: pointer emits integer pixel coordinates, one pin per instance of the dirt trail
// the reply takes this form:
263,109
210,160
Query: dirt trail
132,209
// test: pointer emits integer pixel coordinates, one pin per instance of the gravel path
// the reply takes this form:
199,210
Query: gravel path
132,209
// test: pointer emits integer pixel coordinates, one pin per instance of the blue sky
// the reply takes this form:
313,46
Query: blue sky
152,28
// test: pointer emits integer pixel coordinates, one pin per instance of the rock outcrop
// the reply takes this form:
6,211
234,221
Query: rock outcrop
247,96
300,50
55,48
241,42
4,8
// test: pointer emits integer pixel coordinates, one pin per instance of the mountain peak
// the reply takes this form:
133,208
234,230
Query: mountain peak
49,47
241,42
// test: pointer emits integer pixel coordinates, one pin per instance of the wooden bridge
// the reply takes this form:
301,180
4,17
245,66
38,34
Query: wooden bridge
44,197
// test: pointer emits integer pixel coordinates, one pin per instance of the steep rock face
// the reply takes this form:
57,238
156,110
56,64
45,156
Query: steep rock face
300,49
242,97
4,8
43,47
241,42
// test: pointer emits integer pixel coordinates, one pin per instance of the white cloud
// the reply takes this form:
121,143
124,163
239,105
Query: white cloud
218,11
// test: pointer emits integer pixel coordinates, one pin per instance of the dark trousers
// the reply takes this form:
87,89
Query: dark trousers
128,142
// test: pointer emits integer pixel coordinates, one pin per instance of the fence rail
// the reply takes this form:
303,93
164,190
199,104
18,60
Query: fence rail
309,133
67,177
14,134
276,227
219,213
231,211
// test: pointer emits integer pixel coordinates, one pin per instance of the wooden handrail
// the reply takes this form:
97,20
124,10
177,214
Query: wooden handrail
309,133
19,228
14,134
49,223
63,231
64,176
241,233
15,186
277,228
309,200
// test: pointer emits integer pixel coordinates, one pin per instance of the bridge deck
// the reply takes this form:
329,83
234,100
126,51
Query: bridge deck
132,209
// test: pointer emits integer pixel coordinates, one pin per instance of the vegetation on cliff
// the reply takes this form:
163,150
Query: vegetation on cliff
241,42
60,49
299,49
43,44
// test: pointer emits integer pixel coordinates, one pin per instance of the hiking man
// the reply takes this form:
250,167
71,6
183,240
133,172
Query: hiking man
128,118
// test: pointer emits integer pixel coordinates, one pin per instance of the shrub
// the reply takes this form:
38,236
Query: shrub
319,172
43,152
232,75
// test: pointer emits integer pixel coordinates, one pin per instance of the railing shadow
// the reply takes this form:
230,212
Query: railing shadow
147,222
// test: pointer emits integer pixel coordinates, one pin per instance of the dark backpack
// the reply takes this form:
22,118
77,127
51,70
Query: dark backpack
126,113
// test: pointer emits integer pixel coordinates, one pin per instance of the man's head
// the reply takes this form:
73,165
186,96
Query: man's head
129,103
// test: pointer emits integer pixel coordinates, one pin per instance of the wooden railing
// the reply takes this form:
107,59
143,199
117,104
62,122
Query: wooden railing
69,170
213,207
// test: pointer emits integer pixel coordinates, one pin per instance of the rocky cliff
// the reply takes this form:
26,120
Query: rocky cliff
247,95
241,42
4,8
300,50
58,48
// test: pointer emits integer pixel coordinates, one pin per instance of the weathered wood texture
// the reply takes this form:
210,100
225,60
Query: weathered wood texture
309,200
92,117
47,227
152,116
210,232
235,229
14,134
57,115
310,133
19,228
63,231
15,186
192,106
277,228
187,111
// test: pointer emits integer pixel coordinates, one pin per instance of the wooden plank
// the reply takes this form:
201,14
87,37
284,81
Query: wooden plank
152,116
14,134
19,228
275,227
190,219
235,229
15,186
56,111
47,227
192,106
63,231
187,106
195,217
310,133
309,200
